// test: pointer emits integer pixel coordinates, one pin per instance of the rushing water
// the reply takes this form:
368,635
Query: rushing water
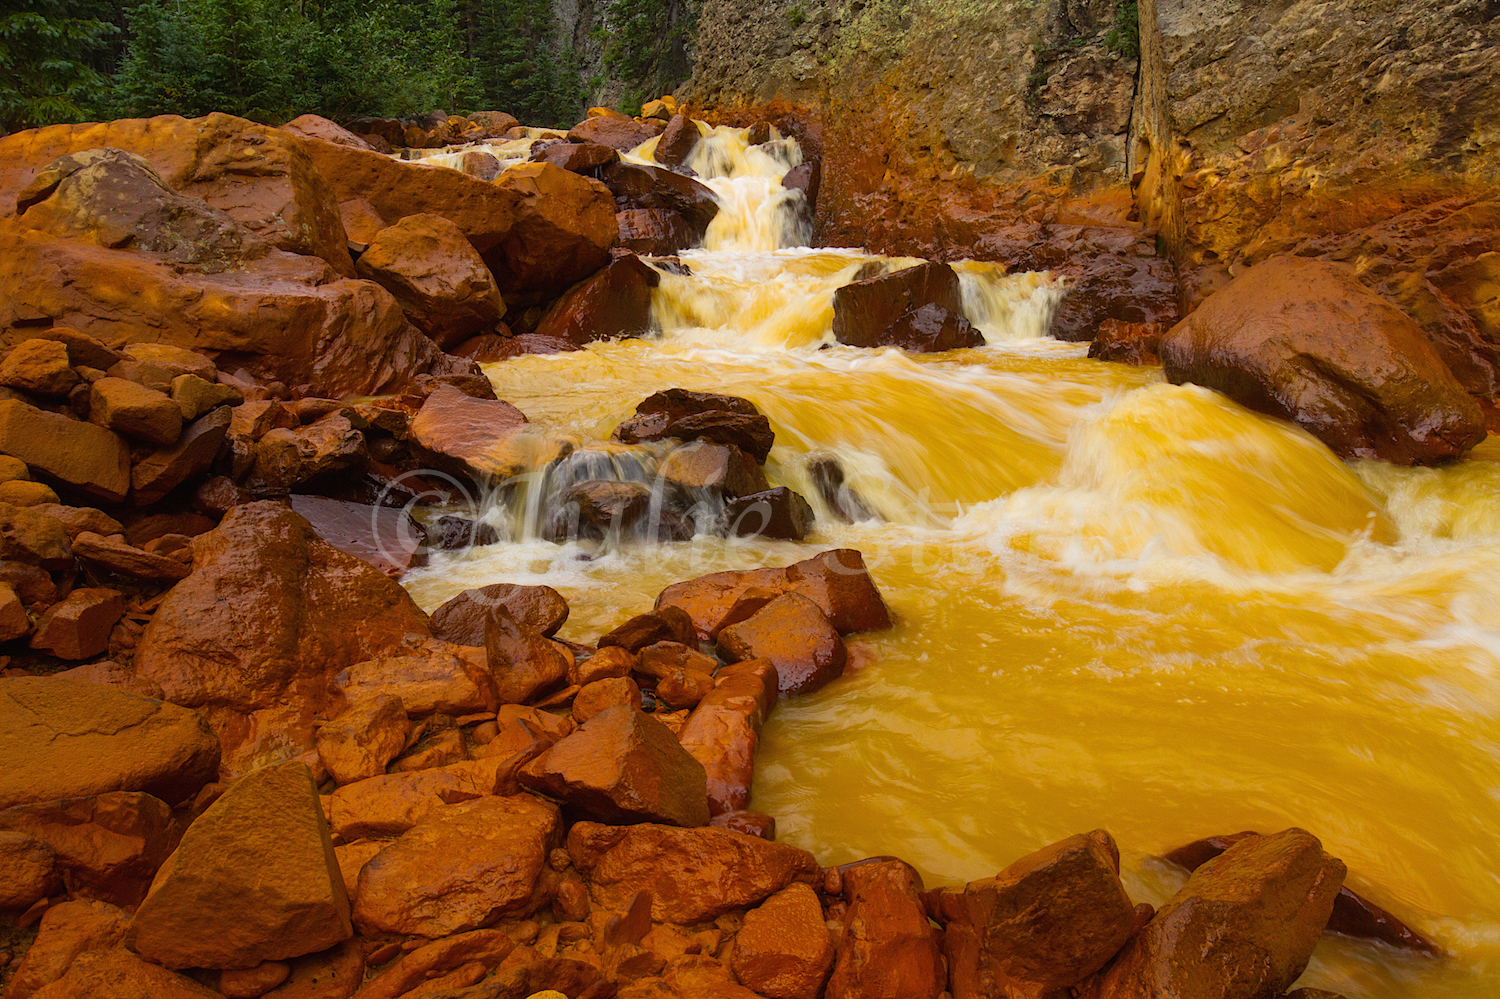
1121,603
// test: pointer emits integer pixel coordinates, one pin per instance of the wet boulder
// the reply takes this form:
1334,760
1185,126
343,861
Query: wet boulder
361,741
686,415
721,469
286,458
587,158
436,275
1128,343
658,188
477,438
312,126
1244,925
930,329
79,626
156,475
620,133
389,805
865,312
462,619
386,537
66,931
130,743
796,636
427,675
888,948
70,452
563,229
614,303
623,766
806,177
1045,923
635,634
677,142
784,949
1304,340
770,513
655,232
723,731
463,867
525,663
692,875
601,695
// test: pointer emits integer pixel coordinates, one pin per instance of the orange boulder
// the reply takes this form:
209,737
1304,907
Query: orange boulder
525,663
119,974
783,951
724,729
794,634
564,226
462,619
436,275
67,930
109,845
864,311
613,303
362,740
888,949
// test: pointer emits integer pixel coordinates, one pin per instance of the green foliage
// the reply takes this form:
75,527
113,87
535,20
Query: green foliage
797,16
518,66
645,42
49,51
1124,37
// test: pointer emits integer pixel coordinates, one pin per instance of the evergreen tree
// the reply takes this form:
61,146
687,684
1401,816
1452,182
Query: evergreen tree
48,55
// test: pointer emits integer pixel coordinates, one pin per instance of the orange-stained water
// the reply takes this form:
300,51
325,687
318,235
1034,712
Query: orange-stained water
1120,603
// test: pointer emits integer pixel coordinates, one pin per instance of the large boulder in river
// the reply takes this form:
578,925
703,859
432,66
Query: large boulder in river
68,739
1243,926
865,312
270,614
636,186
564,227
259,176
683,414
475,438
438,277
617,132
678,141
655,232
614,303
796,636
1306,341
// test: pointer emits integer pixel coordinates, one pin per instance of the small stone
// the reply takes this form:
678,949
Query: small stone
194,396
77,519
683,688
445,748
251,983
793,633
13,469
136,411
28,870
662,659
605,664
434,676
172,361
665,625
747,822
724,729
784,951
40,367
361,741
79,626
601,694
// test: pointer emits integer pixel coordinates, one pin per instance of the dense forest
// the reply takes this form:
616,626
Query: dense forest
271,60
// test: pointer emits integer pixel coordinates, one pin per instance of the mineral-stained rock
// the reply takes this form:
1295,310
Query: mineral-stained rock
623,766
603,694
384,536
564,227
770,513
806,177
119,974
32,536
748,822
1243,926
285,459
1305,341
666,625
109,845
66,931
605,664
724,730
462,619
662,659
251,983
65,739
864,311
40,367
1044,923
525,663
654,232
678,141
783,950
580,157
83,350
692,416
392,804
28,870
463,867
361,741
157,364
474,437
613,303
722,469
269,615
336,973
254,880
429,675
88,458
437,276
795,635
1127,343
619,133
928,329
835,580
888,948
485,947
14,621
692,874
158,474
312,126
682,688
195,396
127,560
664,190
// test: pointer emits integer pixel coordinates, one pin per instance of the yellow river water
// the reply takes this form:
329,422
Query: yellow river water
1121,603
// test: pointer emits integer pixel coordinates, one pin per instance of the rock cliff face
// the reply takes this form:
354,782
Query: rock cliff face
1361,131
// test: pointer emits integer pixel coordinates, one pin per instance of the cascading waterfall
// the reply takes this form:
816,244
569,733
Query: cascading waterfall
1122,603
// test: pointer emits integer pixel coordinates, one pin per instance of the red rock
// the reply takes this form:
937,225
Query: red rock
1305,341
127,560
605,664
28,870
690,416
361,741
361,223
668,625
83,349
462,619
14,621
467,436
747,822
301,611
564,227
835,580
484,947
40,367
1128,343
334,974
771,513
491,124
285,459
683,688
427,676
461,868
437,751
783,950
806,177
109,845
693,875
70,452
662,659
794,634
930,328
67,930
579,157
620,133
665,190
253,880
524,662
864,310
119,974
721,469
136,411
724,730
436,275
623,766
1244,925
311,126
1045,923
29,535
253,982
677,143
613,303
505,348
392,804
888,948
655,232
602,694
79,626
384,536
259,176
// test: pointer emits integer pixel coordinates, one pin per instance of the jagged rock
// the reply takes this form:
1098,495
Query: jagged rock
462,868
688,416
865,311
127,560
692,875
580,157
119,974
28,870
462,619
619,133
564,227
771,513
80,455
747,822
40,367
655,232
600,695
109,846
1244,925
666,190
623,766
430,676
28,534
66,931
614,303
384,536
525,663
783,951
724,729
436,275
253,880
362,740
79,626
1305,341
605,664
888,948
155,476
127,743
796,636
649,628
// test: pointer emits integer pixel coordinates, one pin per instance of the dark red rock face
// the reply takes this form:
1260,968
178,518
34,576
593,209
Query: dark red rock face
614,303
864,311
